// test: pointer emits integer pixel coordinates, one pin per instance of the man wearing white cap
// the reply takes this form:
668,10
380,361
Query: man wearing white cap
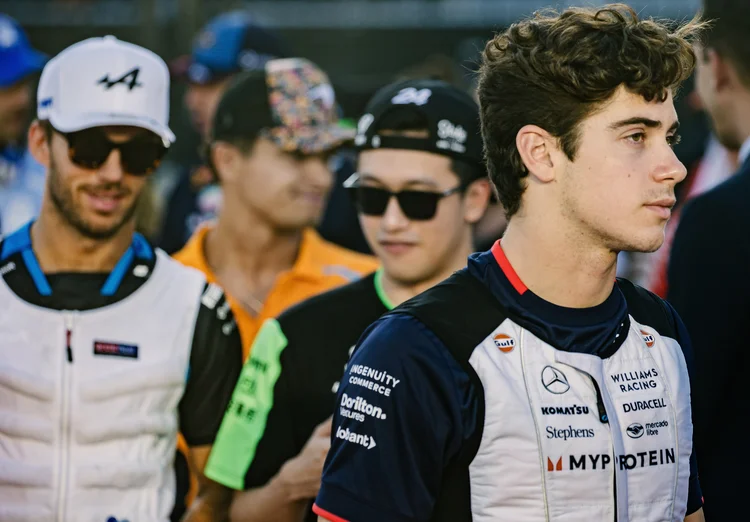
107,346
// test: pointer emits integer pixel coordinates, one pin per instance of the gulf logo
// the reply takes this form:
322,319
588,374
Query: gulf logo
505,343
648,338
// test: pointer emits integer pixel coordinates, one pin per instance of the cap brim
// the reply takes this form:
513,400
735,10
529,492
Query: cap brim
87,121
19,67
311,140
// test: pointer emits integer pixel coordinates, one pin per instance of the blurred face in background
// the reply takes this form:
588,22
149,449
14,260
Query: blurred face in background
15,103
287,190
97,202
718,86
202,100
414,251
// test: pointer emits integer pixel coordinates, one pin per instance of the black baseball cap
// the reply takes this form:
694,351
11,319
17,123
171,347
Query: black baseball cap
229,43
452,118
290,102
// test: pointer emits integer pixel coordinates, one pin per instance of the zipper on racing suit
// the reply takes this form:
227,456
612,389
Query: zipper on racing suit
64,456
604,419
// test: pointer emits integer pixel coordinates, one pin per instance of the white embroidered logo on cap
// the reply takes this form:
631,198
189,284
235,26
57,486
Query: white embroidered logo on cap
451,136
411,95
362,126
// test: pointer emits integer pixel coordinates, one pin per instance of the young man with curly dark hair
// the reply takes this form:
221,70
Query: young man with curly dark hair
534,385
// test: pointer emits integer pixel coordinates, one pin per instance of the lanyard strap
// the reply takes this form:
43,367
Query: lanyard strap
20,241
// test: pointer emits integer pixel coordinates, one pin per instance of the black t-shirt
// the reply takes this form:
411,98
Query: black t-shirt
216,353
288,385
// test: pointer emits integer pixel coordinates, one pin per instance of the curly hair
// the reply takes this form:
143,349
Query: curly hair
556,69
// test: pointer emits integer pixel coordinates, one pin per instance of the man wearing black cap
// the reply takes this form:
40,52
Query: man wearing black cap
419,189
229,44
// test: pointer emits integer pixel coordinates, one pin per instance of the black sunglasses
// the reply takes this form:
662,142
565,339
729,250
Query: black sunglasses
139,156
418,205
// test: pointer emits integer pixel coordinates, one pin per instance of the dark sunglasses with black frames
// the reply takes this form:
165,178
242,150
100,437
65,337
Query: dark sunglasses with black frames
90,148
417,205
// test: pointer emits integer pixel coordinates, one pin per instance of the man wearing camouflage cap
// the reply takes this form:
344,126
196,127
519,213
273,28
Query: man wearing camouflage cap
269,143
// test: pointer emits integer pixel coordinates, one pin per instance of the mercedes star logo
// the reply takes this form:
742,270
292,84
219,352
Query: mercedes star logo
554,381
635,431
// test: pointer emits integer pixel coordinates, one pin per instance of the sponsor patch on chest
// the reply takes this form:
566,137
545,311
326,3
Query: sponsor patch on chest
116,349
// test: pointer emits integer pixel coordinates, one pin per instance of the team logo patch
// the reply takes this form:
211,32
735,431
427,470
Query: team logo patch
648,338
128,79
554,380
635,431
505,343
116,349
554,466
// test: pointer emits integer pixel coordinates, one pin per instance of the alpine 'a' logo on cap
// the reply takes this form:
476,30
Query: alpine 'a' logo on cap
554,381
129,79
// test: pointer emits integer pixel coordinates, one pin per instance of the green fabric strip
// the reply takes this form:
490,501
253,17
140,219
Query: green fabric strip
379,289
245,419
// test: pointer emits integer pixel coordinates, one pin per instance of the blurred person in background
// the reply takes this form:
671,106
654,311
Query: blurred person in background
420,188
228,44
108,345
271,136
21,176
715,166
534,384
708,280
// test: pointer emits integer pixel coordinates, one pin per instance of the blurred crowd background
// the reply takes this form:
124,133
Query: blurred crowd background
361,44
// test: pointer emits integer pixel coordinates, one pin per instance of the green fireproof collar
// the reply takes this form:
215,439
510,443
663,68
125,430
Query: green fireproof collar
379,290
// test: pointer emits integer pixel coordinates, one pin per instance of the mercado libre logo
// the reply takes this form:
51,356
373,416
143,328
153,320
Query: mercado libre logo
504,343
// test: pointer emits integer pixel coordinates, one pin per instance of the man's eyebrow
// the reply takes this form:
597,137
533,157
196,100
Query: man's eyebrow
639,120
364,176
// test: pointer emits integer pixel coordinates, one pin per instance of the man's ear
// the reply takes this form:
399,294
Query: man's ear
223,159
39,145
476,199
537,149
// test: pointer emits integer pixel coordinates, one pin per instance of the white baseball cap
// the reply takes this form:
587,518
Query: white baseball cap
105,81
